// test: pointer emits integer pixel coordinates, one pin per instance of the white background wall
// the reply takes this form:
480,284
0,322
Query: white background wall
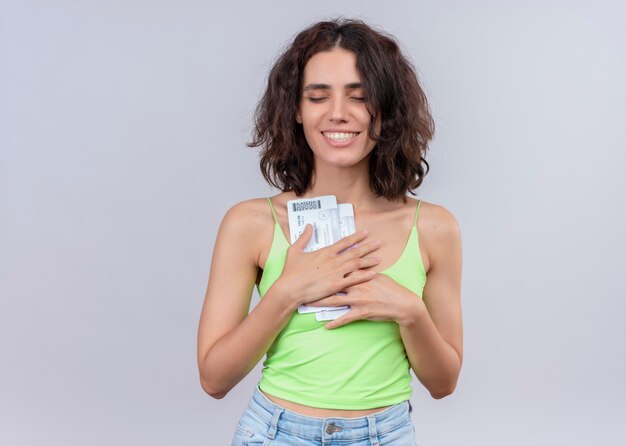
122,143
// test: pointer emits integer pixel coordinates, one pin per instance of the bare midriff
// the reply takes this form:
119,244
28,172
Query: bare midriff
321,413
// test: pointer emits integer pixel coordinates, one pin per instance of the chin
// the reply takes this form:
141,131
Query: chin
341,161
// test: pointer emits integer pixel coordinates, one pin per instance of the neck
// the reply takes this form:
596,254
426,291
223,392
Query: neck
348,184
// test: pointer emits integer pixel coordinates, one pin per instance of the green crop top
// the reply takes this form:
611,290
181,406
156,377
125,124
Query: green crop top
361,365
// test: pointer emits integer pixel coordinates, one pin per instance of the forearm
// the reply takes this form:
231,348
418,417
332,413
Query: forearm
435,362
232,357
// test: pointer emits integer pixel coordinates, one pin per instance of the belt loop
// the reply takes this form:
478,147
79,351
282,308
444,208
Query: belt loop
371,424
271,433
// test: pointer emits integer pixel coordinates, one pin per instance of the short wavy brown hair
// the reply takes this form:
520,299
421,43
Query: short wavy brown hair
397,164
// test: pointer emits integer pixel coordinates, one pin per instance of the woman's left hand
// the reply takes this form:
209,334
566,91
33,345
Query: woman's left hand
379,299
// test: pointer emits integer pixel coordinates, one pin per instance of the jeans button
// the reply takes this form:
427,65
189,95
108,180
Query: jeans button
331,429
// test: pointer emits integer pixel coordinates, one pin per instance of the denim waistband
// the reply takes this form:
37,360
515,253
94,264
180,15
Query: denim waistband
327,429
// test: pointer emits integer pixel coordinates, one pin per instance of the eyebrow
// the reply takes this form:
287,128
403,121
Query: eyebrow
350,86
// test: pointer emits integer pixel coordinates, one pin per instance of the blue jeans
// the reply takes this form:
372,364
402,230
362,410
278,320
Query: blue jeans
265,423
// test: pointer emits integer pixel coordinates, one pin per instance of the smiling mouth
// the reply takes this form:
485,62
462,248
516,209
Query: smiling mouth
340,136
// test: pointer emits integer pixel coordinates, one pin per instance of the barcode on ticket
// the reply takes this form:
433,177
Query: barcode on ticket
306,205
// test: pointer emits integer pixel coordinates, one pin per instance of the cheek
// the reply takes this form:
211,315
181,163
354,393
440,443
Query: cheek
310,131
311,123
363,116
311,134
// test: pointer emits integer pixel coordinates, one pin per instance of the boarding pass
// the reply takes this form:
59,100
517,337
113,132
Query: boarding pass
331,222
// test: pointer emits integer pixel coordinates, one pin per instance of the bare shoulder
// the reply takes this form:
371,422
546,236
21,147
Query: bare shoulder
439,229
437,219
249,213
246,224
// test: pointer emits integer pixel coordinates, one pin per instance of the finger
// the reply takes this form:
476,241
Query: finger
350,265
357,277
367,262
350,316
319,303
304,238
362,249
347,242
330,301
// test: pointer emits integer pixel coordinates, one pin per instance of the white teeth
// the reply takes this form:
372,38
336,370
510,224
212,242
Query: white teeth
340,136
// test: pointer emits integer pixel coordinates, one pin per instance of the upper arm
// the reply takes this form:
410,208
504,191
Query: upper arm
233,273
442,292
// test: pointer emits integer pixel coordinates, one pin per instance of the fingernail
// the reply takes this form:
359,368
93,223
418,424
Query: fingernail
365,231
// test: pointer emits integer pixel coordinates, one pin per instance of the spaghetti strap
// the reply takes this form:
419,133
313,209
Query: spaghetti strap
419,202
272,208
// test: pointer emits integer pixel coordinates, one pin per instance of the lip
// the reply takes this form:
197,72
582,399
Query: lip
340,131
340,143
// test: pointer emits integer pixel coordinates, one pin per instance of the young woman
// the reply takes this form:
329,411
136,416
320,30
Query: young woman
343,115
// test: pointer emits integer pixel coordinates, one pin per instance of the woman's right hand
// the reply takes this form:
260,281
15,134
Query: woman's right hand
309,276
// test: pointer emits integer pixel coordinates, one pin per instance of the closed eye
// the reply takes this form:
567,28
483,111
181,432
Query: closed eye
316,100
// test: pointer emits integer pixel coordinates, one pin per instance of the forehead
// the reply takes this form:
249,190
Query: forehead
336,67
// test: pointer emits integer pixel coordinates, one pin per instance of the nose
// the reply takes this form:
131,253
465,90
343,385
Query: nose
338,111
